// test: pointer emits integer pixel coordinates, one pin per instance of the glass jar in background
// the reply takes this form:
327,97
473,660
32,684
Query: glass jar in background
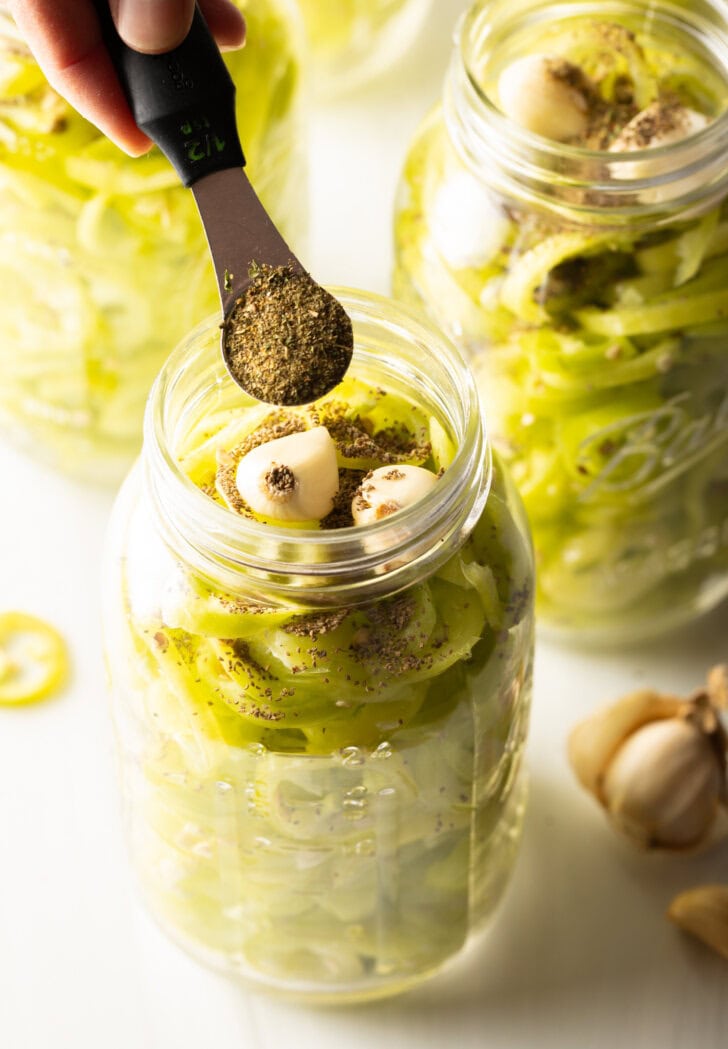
321,729
103,261
590,291
351,41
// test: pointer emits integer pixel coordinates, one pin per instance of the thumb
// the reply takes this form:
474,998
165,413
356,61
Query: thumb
152,26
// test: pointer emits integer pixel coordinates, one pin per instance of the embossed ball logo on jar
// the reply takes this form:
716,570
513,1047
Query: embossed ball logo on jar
650,449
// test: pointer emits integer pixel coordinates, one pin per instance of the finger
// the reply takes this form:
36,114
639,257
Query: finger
153,26
66,40
65,37
156,26
226,22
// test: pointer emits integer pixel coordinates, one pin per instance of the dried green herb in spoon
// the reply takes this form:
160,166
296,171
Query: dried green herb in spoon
286,340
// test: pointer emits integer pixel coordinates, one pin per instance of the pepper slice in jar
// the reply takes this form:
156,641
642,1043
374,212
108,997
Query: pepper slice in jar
33,659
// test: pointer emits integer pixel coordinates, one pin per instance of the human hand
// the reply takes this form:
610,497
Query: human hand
65,38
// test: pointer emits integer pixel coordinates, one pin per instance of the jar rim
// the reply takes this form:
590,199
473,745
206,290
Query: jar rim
566,176
364,559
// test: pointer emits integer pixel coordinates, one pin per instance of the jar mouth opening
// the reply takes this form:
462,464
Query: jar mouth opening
485,136
194,380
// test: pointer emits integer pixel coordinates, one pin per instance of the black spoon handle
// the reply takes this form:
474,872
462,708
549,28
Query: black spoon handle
184,100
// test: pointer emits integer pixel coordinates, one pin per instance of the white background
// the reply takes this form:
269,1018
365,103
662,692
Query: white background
579,956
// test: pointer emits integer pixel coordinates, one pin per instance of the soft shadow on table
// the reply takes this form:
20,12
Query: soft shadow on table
564,932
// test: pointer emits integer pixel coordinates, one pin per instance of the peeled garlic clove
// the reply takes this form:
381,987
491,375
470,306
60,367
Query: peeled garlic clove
703,912
466,225
660,124
388,489
663,785
546,94
292,478
593,742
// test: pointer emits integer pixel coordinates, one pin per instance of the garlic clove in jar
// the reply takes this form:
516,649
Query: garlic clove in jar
292,478
657,765
548,95
388,489
662,123
466,224
703,912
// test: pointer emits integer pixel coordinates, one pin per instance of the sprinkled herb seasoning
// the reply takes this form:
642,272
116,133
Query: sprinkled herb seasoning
354,442
286,340
341,515
280,481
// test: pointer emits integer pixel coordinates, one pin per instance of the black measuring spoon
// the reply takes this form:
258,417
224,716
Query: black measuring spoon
184,100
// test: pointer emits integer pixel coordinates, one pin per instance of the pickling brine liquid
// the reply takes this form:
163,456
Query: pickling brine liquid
347,875
589,290
321,729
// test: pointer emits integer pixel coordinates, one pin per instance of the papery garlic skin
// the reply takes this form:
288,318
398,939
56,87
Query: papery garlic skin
703,912
388,489
292,478
717,686
545,94
594,742
664,784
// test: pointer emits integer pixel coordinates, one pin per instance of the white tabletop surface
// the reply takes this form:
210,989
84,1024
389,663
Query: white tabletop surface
579,956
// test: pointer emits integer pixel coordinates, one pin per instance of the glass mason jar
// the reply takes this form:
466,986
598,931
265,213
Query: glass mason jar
351,41
591,292
321,730
103,261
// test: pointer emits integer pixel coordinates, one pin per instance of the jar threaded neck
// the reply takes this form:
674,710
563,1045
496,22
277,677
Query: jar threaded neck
575,182
393,346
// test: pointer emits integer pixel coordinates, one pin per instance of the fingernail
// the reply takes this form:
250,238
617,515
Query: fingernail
153,25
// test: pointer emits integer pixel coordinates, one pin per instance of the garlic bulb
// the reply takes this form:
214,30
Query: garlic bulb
548,95
388,489
657,765
704,913
292,478
663,784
